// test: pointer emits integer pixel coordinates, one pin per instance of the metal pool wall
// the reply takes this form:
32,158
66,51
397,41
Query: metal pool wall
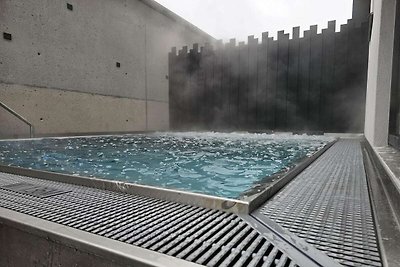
316,82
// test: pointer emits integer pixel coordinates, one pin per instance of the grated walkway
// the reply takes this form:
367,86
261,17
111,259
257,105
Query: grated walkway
328,205
204,236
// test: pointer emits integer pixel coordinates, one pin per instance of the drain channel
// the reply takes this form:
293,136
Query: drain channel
34,190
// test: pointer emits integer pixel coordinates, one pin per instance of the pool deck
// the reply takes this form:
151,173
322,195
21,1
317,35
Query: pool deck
328,205
325,210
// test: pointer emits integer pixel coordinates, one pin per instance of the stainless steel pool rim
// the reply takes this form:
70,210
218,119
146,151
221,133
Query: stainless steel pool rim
258,198
237,206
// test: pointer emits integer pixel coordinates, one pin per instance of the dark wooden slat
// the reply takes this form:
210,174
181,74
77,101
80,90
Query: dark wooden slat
304,83
232,63
356,78
211,97
225,86
394,115
180,89
327,75
282,81
293,81
218,104
172,87
339,95
364,40
201,95
252,84
235,83
184,92
194,86
271,82
234,86
243,85
261,96
314,98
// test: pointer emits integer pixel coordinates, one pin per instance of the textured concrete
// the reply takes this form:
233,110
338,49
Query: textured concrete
158,115
56,48
13,127
59,112
19,248
390,159
385,201
79,49
380,72
29,241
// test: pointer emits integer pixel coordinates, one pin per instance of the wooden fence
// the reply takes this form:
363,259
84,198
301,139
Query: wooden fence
313,83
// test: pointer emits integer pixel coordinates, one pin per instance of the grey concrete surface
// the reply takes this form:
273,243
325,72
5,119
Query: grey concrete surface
389,157
385,202
15,127
380,72
77,50
19,248
29,241
57,112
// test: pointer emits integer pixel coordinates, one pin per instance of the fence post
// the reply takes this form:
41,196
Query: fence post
271,82
293,80
327,75
339,94
172,87
315,80
282,81
261,99
252,83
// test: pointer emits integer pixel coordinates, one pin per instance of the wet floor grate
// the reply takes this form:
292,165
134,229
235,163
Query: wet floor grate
328,205
33,190
199,235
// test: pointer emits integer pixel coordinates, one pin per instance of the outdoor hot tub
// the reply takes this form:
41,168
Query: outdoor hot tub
227,168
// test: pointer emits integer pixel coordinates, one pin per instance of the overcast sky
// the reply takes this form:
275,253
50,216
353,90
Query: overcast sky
225,19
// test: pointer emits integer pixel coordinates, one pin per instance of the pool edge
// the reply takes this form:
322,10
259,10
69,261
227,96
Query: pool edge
237,206
257,200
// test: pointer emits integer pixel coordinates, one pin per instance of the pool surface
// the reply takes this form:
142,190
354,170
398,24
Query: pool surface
217,164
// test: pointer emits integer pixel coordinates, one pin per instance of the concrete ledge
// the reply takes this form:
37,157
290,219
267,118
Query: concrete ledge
384,199
389,158
70,246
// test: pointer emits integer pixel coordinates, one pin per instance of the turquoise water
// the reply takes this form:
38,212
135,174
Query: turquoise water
216,164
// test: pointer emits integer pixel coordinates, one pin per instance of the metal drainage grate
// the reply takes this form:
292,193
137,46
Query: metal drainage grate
328,205
33,190
204,236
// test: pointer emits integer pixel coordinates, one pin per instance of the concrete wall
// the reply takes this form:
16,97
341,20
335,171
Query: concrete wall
19,248
29,241
53,48
380,72
57,111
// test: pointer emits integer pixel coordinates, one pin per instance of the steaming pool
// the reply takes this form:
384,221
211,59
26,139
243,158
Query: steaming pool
217,164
